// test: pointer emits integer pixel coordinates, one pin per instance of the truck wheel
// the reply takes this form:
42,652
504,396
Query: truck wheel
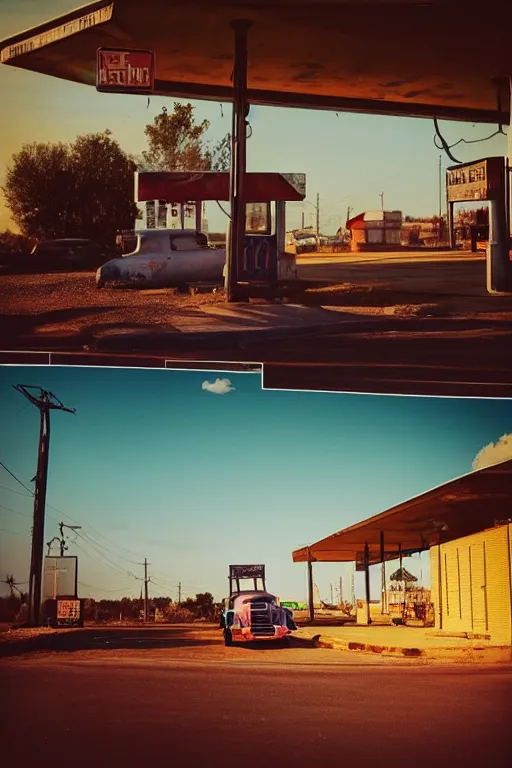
228,637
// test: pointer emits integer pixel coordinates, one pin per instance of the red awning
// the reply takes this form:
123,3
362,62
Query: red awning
356,222
214,185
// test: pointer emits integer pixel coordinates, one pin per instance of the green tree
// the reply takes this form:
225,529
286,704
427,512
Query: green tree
177,143
83,189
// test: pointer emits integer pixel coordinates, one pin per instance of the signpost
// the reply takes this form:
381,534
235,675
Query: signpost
485,180
239,572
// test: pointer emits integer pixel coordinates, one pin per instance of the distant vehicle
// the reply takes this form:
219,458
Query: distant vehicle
165,258
68,253
251,615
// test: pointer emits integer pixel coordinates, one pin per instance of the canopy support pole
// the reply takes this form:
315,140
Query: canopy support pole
499,267
311,597
235,244
367,580
384,601
199,215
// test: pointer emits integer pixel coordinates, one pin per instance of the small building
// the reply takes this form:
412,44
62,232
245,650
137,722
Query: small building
375,229
466,526
471,579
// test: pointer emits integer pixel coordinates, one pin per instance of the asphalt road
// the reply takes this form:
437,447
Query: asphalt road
197,703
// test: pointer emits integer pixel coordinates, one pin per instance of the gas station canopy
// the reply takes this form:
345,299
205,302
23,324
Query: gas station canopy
401,57
469,504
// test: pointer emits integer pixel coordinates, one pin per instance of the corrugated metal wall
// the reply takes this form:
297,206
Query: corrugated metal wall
475,584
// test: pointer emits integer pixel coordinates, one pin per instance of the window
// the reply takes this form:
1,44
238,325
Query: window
258,220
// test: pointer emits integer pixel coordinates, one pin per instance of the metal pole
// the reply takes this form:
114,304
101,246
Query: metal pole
383,574
311,598
199,216
146,605
317,216
440,186
235,245
367,580
440,583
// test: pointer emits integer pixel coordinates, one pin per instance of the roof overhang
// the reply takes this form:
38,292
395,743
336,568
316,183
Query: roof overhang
214,185
469,504
398,58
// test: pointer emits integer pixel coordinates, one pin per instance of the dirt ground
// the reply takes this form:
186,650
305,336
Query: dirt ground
68,305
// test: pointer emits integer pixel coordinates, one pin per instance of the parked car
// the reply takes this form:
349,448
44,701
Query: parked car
172,257
69,253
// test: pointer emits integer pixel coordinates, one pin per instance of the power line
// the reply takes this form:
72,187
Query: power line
16,478
115,565
100,589
99,562
133,562
13,533
15,511
19,493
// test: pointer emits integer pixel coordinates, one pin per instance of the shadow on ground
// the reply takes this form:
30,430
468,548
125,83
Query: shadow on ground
100,638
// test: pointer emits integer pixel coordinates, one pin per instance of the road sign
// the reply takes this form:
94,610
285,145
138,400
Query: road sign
125,71
68,609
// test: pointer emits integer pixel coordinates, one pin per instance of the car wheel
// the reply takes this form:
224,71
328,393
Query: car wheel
228,637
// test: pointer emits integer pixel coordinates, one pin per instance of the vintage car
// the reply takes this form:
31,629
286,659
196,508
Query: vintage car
249,616
165,257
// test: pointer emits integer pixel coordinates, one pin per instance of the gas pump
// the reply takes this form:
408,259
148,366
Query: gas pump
265,267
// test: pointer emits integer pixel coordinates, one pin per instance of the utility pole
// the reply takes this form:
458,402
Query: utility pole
302,219
332,596
382,200
349,211
62,540
318,215
46,402
146,602
179,593
341,590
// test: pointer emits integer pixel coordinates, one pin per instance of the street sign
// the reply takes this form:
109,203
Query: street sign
125,71
247,571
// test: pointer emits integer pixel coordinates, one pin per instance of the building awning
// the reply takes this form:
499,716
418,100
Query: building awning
214,185
396,57
469,504
356,222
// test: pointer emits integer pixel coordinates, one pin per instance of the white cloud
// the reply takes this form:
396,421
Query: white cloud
218,387
493,453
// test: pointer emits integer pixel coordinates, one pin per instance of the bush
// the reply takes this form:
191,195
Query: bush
177,614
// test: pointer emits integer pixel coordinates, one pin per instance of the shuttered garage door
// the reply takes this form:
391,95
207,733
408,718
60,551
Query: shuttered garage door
477,557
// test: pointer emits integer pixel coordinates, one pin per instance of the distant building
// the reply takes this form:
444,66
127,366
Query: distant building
375,229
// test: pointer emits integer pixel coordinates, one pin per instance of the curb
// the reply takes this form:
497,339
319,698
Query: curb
182,340
484,654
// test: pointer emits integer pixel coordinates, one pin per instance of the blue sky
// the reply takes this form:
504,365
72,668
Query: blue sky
348,159
154,465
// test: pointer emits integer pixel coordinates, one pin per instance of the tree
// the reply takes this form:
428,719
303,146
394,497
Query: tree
178,143
83,189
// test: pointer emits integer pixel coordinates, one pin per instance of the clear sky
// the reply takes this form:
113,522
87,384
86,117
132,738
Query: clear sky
156,465
348,159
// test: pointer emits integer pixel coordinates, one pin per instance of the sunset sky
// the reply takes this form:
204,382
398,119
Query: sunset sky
348,159
196,470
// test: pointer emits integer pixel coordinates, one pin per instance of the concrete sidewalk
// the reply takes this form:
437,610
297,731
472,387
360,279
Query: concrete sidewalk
231,323
406,641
